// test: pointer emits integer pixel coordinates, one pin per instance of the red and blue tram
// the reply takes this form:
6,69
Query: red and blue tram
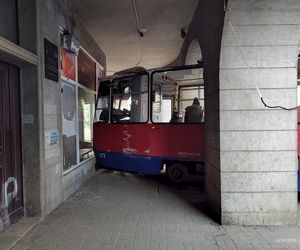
140,125
135,129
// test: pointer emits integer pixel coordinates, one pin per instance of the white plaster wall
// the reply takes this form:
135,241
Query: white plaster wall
57,186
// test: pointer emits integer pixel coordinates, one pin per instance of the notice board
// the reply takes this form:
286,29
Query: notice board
86,71
51,60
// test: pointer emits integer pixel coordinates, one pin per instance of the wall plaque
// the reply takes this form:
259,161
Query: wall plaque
54,138
51,60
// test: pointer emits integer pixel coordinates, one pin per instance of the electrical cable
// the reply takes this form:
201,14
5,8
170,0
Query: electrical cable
141,51
139,32
227,10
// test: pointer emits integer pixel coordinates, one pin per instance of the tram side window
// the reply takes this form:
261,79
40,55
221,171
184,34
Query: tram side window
173,93
102,111
130,100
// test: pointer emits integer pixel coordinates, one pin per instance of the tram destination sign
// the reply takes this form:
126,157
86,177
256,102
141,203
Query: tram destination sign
51,60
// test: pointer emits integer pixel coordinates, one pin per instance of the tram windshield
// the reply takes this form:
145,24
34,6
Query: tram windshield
130,99
128,102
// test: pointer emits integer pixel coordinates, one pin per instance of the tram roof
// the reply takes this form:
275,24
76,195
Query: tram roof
140,70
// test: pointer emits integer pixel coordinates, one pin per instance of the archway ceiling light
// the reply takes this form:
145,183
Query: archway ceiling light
112,24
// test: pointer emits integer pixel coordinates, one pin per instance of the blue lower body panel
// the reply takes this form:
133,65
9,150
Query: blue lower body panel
130,163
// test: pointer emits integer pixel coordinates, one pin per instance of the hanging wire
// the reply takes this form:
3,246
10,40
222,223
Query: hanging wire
227,10
139,33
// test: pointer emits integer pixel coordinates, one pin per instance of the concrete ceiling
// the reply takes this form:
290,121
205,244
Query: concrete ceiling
112,24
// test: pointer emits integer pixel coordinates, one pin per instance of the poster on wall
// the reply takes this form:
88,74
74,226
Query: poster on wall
86,71
51,60
67,65
68,101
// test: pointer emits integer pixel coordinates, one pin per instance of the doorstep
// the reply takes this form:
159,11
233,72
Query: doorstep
14,233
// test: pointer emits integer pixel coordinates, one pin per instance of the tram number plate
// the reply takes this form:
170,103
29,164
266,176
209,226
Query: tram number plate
102,155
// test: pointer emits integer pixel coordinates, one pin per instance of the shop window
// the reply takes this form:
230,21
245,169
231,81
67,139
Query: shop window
79,77
86,71
86,104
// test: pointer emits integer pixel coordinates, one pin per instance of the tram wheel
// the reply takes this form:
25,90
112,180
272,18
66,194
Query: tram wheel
177,172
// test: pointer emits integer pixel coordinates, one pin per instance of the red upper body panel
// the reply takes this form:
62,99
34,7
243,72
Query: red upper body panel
182,141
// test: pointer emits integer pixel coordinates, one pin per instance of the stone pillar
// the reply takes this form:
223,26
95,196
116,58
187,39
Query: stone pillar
258,145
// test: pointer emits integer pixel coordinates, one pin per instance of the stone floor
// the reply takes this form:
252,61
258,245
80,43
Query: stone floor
124,211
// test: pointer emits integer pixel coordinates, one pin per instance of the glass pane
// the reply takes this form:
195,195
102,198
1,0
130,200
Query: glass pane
130,100
8,21
99,75
69,125
86,104
86,71
178,96
102,111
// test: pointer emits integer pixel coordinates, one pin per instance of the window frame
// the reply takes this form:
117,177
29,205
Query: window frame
195,66
108,102
84,88
111,99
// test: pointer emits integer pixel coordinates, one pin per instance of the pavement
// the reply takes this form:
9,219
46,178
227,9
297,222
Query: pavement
123,211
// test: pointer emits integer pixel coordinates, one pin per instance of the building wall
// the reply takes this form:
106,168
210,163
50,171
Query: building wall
57,186
251,151
45,186
207,27
18,47
259,145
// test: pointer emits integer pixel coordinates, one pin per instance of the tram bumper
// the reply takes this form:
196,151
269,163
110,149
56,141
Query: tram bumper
129,162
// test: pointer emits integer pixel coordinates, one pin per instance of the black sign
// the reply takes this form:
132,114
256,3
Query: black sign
51,60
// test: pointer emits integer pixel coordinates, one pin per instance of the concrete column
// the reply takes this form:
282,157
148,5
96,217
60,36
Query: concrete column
30,141
258,146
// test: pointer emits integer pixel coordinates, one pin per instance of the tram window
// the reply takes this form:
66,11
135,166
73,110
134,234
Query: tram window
130,100
173,91
156,98
101,113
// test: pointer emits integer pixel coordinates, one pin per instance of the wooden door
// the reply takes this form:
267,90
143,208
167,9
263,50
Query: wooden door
11,204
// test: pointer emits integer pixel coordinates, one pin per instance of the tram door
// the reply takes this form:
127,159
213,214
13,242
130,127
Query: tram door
173,91
11,205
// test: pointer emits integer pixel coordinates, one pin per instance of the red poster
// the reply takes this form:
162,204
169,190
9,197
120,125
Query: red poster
68,65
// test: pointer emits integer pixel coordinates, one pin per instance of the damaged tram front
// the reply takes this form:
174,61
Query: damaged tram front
142,125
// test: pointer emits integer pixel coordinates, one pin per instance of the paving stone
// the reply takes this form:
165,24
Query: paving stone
113,211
